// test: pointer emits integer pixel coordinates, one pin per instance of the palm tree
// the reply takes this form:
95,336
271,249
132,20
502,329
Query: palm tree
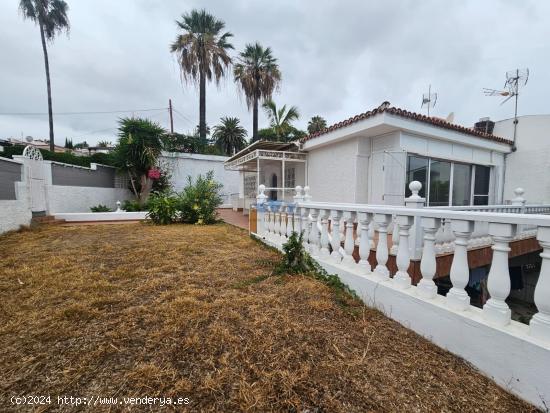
104,144
202,54
316,124
51,17
139,145
257,73
229,135
281,119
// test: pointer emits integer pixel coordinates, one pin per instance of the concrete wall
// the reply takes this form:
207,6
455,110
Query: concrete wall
182,165
529,166
10,173
60,199
96,176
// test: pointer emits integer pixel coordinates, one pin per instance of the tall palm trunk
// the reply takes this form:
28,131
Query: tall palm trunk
255,119
49,87
202,107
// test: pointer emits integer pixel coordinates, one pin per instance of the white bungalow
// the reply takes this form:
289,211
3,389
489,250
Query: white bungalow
370,158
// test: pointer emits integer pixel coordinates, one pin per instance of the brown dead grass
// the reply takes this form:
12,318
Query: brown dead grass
135,310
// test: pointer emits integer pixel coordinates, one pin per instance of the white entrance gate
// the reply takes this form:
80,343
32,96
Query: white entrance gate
35,167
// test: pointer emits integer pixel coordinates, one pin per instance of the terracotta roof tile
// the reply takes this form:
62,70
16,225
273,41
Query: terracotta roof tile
385,107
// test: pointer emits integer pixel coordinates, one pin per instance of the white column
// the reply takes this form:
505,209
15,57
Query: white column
394,238
426,286
277,224
364,244
297,219
314,234
381,271
495,309
401,277
305,227
349,244
323,216
260,210
335,229
539,326
457,298
269,222
415,201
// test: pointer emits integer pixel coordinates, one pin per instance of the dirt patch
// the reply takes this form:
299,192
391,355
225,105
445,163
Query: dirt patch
188,311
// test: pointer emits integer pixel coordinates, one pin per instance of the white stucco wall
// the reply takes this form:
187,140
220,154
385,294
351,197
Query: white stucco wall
182,165
15,213
529,166
332,172
81,198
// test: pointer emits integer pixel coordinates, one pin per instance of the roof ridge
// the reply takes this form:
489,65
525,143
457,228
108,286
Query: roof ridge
385,107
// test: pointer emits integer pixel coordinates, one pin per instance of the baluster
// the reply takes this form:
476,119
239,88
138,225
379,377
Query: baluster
298,219
401,277
323,216
371,234
539,326
276,223
284,223
364,244
394,238
381,271
289,220
314,234
495,309
457,298
305,228
349,243
426,286
335,243
269,222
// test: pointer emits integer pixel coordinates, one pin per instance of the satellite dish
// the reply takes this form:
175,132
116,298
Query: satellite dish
29,139
450,117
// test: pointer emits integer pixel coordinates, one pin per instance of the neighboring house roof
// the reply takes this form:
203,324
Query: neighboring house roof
386,108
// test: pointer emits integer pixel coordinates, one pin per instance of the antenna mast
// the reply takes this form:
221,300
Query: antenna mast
429,99
514,80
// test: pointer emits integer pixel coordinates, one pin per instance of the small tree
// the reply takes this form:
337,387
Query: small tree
139,146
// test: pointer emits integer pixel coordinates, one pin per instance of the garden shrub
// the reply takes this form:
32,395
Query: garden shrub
163,208
101,208
198,200
132,205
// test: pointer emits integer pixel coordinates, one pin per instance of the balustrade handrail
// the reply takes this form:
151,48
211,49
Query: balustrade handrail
498,217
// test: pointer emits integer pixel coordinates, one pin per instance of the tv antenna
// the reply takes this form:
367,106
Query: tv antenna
515,79
429,99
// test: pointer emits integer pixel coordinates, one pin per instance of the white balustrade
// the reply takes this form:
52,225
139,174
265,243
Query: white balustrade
437,229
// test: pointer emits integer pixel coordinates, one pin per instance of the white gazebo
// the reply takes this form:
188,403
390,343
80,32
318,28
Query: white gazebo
280,166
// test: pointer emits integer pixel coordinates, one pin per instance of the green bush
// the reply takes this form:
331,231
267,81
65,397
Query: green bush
131,205
100,208
163,208
198,200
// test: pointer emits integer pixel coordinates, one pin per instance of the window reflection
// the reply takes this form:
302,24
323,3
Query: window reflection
462,184
440,183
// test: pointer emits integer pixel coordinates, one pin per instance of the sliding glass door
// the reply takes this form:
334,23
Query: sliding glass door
446,183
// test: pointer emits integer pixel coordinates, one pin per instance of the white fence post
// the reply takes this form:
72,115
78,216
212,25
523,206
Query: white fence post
382,272
401,277
364,243
428,264
260,210
335,228
415,201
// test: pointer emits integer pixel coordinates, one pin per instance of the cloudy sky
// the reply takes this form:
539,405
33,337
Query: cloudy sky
338,59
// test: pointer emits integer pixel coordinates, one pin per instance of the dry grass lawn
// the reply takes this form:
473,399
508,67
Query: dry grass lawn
187,311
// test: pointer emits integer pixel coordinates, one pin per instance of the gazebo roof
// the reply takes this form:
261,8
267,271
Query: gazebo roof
265,145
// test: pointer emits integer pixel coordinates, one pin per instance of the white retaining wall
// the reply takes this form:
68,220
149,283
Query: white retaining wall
16,213
61,199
